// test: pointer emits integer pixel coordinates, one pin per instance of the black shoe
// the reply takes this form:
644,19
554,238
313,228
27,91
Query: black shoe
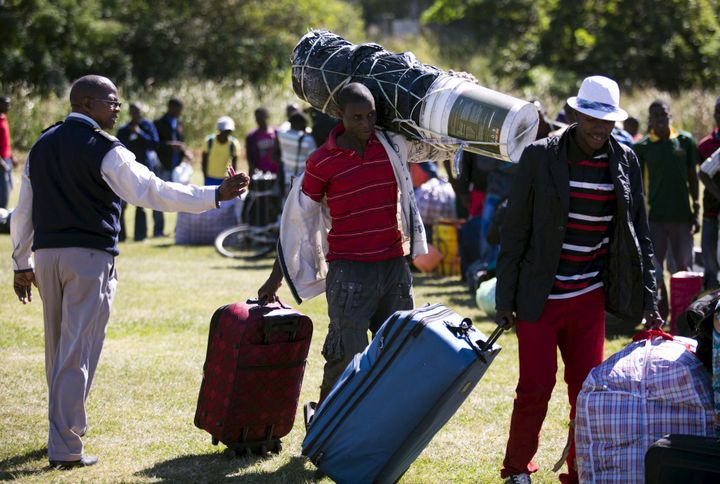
85,461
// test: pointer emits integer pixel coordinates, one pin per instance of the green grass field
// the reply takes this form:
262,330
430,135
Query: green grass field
143,399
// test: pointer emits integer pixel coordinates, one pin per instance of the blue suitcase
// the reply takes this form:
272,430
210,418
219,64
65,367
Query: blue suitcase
394,397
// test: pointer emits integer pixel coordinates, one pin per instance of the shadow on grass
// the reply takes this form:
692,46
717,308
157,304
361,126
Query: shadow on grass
264,265
13,468
219,467
434,281
164,245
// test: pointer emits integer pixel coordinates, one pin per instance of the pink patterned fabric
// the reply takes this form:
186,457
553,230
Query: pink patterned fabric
645,391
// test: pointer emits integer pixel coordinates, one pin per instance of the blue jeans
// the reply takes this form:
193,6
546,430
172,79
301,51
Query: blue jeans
488,252
709,244
5,182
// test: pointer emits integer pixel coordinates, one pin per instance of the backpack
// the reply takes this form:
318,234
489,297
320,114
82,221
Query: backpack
231,140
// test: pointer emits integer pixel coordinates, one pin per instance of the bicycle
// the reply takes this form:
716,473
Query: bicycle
257,236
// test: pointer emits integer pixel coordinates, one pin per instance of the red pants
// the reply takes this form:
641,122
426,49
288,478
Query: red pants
576,326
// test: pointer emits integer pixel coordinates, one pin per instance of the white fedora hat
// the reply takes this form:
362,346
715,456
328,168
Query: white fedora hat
599,97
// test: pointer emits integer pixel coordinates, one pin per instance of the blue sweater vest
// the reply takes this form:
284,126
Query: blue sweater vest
72,204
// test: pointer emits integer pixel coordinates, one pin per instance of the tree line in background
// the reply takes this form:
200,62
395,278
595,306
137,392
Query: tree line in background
47,43
669,44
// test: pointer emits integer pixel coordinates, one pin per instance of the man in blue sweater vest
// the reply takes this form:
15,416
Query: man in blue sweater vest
68,214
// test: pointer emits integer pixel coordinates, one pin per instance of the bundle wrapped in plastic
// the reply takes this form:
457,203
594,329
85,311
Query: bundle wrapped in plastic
414,99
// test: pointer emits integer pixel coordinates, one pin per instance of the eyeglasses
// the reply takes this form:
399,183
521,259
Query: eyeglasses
112,104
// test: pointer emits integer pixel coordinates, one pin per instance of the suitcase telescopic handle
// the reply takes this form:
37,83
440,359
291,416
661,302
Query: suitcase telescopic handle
464,327
485,346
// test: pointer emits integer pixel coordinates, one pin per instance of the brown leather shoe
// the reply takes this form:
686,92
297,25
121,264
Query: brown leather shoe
85,461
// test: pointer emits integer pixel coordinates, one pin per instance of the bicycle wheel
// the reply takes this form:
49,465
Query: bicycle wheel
236,242
245,242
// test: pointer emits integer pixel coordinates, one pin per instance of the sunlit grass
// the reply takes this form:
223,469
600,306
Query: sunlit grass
143,400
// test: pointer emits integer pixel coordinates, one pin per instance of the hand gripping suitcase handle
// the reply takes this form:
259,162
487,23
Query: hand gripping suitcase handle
492,339
264,302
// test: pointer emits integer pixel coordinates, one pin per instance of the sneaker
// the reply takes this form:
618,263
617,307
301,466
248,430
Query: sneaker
308,413
518,479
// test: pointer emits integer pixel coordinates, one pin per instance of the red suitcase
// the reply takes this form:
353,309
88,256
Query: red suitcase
252,375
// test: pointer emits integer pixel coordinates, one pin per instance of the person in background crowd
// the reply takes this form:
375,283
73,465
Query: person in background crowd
68,215
632,126
141,138
290,108
711,200
500,179
322,124
469,186
294,145
7,160
669,159
435,197
171,151
260,145
220,151
545,125
575,242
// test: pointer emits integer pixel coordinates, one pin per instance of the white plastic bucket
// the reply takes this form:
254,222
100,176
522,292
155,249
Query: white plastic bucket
492,123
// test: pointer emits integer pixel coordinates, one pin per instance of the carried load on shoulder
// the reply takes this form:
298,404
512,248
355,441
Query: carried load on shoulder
414,99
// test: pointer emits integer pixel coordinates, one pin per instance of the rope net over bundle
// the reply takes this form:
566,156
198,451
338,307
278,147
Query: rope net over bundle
416,100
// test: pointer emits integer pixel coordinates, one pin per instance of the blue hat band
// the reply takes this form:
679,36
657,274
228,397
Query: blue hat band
597,106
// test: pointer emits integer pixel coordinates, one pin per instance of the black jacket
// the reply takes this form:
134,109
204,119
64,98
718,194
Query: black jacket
165,151
534,230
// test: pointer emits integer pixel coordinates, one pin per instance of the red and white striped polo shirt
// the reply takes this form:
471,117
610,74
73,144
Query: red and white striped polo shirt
593,206
362,195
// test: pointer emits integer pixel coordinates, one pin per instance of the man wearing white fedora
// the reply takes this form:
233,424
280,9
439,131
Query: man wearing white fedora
574,243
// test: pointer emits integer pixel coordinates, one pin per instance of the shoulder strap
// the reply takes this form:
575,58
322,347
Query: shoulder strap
51,126
210,140
106,135
299,150
231,141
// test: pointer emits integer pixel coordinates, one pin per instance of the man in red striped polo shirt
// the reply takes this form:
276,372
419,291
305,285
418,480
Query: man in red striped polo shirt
361,176
575,242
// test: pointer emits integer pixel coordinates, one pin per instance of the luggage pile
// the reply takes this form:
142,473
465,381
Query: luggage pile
653,387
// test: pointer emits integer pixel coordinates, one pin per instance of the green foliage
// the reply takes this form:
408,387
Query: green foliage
670,45
205,102
48,43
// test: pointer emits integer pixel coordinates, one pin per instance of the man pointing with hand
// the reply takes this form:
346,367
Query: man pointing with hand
68,215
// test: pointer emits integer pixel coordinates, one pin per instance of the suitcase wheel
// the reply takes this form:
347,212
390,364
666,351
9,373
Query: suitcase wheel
230,453
277,448
263,450
215,441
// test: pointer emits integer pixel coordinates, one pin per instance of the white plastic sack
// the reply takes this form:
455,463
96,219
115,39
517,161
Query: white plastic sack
485,296
182,173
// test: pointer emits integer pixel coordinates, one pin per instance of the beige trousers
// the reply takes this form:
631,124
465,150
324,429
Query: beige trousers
76,286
